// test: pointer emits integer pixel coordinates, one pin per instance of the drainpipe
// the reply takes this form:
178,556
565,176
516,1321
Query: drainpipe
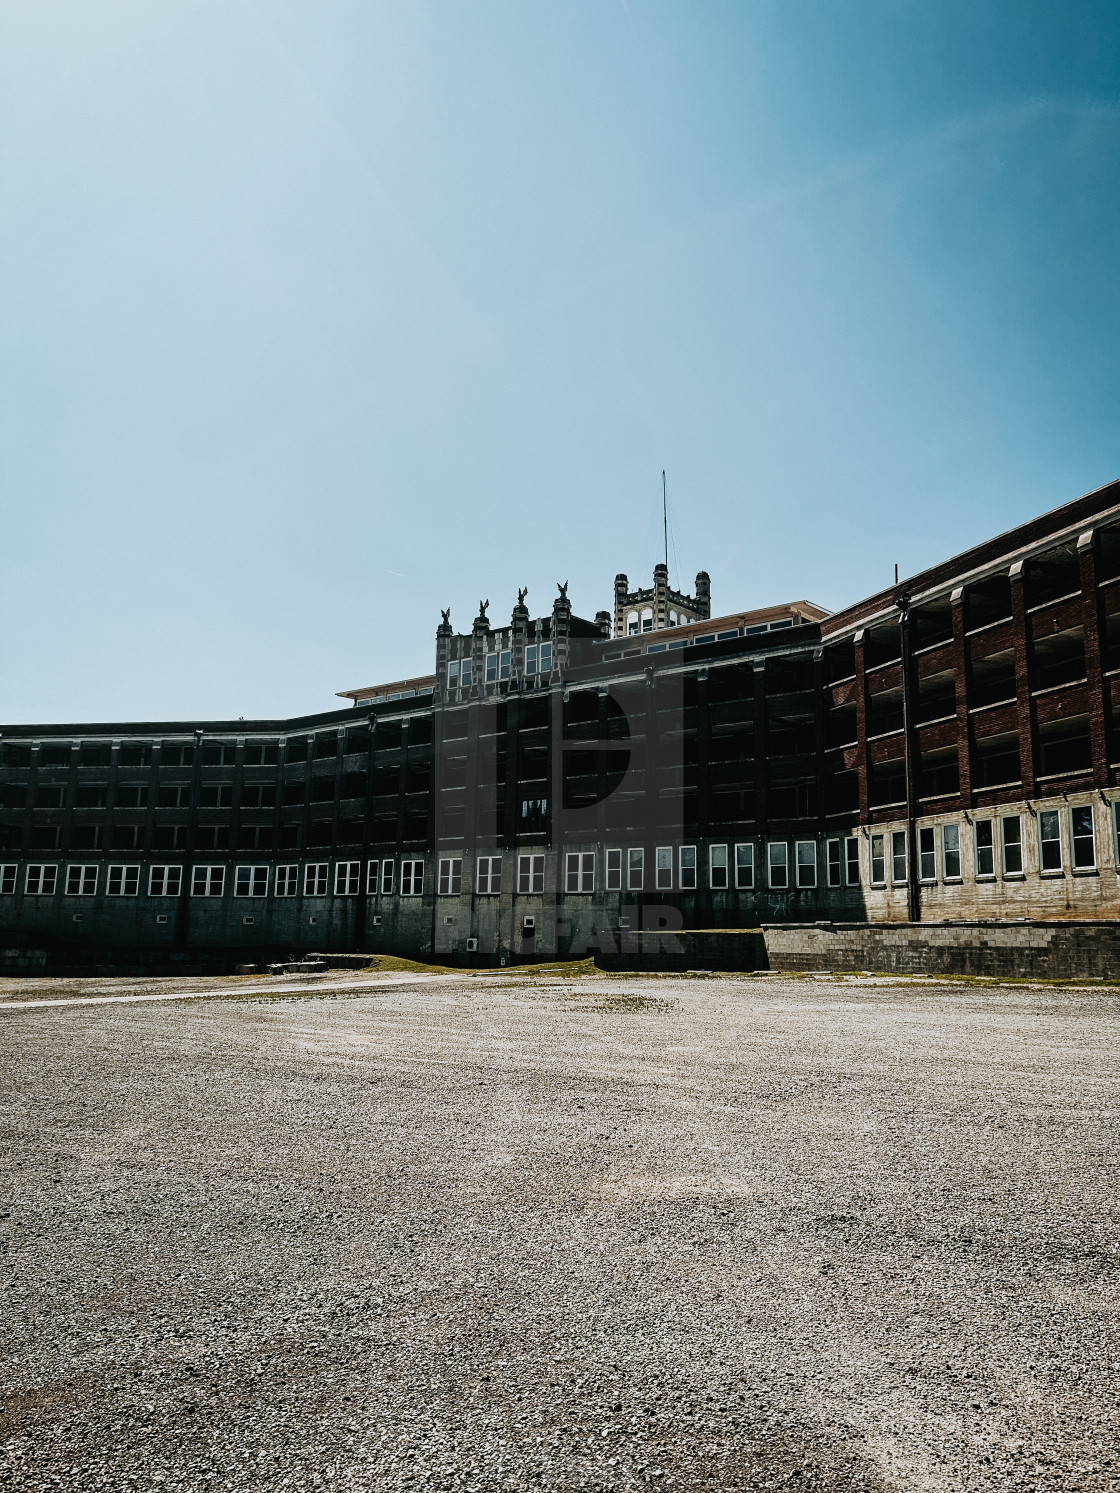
913,885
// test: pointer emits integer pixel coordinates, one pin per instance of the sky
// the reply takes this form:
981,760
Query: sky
318,317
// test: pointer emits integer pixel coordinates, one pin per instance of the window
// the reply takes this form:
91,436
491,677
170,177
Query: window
297,749
878,861
171,837
219,753
546,657
261,753
208,881
647,619
173,796
212,837
172,754
927,854
1011,837
1050,839
851,860
985,849
412,878
254,837
614,870
453,674
315,879
635,869
215,796
289,836
86,837
41,881
53,756
898,856
465,674
503,664
530,874
325,746
778,854
531,659
95,756
258,795
90,795
664,873
951,852
717,867
806,863
124,881
45,837
81,881
320,832
744,866
579,871
686,861
534,815
489,875
7,881
347,878
295,793
165,881
128,837
631,624
132,796
491,667
47,796
287,880
1084,841
387,877
250,881
135,754
834,865
451,875
322,790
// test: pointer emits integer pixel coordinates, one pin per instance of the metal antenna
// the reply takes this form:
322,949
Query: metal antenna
665,520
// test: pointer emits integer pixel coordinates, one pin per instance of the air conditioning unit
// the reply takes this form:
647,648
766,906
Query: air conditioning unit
376,920
624,922
247,921
472,945
529,923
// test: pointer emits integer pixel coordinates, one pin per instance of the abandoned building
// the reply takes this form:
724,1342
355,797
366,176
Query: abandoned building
946,749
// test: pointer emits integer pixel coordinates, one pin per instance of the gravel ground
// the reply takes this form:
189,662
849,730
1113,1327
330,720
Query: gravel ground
608,1233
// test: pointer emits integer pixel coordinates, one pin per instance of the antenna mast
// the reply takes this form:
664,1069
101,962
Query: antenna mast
665,520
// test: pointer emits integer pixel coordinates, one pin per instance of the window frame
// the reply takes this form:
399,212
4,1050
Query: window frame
388,876
208,879
686,868
805,863
635,868
581,865
126,877
86,873
744,863
165,871
851,861
897,836
1011,848
46,871
613,869
484,872
984,827
778,863
9,874
1075,838
450,876
927,854
316,878
530,869
834,862
947,851
285,880
714,869
877,868
251,877
1044,841
412,877
663,868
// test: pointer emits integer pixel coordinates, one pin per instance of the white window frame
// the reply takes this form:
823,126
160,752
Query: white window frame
579,873
491,673
466,671
484,875
503,663
1014,845
41,879
896,836
950,846
122,881
208,881
8,875
286,881
81,880
1076,839
987,826
834,862
530,875
250,881
453,674
450,876
851,860
878,866
412,878
546,658
162,877
719,876
927,859
777,865
805,853
635,868
744,866
686,868
388,870
613,869
347,878
663,868
1053,816
530,658
316,878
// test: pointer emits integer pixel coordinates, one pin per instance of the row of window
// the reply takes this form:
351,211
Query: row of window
183,754
216,795
538,659
210,881
1001,837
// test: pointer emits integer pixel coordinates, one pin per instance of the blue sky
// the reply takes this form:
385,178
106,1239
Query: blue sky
317,317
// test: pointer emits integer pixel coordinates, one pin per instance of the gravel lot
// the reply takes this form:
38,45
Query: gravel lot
608,1233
